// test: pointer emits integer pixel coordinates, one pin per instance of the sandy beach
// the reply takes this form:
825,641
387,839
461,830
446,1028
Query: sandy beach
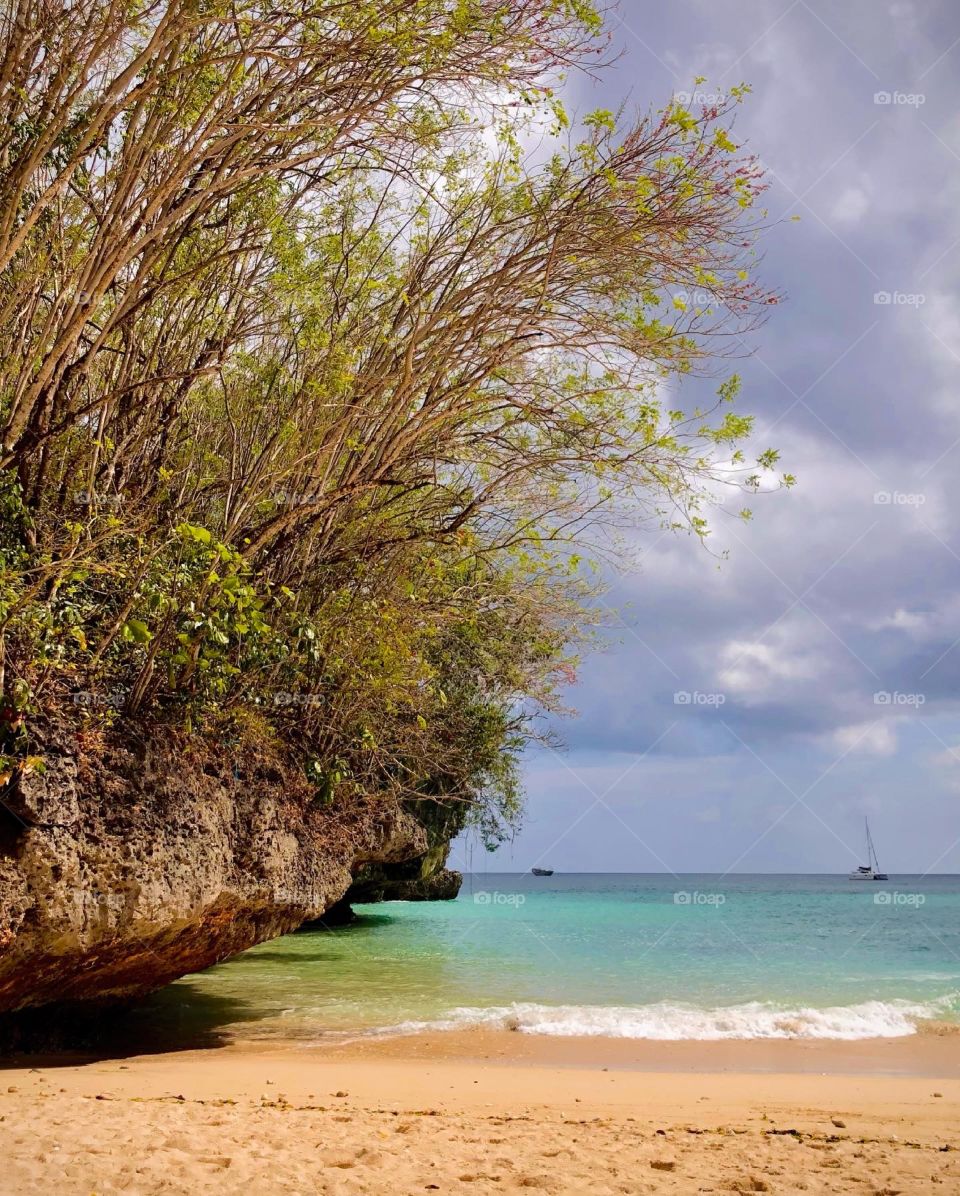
490,1112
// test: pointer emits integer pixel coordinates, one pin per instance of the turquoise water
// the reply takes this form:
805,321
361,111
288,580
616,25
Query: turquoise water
643,956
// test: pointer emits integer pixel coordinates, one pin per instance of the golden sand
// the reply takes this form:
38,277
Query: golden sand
490,1113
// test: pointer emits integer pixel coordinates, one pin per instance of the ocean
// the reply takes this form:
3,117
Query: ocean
629,956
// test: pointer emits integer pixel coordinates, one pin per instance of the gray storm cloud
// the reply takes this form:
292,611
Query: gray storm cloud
844,589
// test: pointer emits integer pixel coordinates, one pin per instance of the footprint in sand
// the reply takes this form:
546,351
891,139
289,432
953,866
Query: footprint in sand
337,1160
221,1161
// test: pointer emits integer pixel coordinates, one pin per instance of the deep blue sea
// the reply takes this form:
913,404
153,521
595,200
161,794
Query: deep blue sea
636,956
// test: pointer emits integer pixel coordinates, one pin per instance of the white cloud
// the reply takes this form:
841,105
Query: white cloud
870,739
942,324
914,623
756,667
949,758
946,766
850,206
710,814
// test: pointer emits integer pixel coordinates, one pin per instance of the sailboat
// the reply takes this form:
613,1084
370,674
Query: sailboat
870,871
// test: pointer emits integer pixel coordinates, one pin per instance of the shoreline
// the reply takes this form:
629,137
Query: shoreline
526,1066
931,1052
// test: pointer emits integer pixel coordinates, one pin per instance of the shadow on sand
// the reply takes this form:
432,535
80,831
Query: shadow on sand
180,1017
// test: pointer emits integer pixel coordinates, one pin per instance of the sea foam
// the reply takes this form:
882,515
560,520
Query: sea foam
668,1021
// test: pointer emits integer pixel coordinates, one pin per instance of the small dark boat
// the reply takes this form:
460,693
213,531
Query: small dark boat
542,871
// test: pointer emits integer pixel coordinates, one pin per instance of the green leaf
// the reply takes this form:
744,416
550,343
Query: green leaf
190,531
137,631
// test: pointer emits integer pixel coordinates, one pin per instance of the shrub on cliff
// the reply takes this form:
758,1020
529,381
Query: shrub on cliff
315,374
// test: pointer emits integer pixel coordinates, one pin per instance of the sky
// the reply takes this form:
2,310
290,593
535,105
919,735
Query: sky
745,714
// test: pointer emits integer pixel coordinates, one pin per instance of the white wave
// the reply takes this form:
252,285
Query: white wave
670,1022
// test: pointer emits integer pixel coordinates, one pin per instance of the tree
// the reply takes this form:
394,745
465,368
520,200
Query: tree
308,401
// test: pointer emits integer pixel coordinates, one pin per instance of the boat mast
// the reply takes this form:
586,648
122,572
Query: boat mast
871,850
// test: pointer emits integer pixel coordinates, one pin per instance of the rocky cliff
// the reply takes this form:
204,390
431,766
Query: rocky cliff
129,860
421,878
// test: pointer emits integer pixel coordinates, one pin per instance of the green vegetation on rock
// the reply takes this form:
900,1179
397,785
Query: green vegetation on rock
314,379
